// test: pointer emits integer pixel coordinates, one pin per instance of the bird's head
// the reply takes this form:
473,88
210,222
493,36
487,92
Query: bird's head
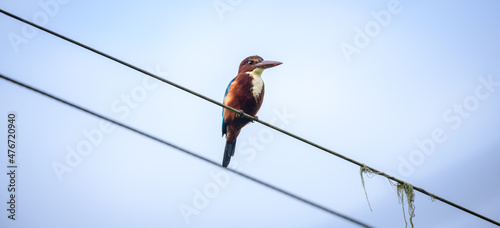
255,65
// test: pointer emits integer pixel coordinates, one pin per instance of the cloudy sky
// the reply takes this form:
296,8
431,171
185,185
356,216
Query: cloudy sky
410,88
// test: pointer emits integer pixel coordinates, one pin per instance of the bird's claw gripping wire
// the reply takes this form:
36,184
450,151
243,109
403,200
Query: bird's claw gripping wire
241,114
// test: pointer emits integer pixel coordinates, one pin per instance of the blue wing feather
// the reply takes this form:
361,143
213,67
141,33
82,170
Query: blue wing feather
224,129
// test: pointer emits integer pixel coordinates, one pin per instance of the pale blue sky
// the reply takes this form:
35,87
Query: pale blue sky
421,75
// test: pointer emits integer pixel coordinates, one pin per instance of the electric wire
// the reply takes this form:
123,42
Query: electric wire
187,152
421,190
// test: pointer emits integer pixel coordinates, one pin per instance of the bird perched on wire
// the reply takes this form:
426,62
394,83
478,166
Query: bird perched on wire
245,93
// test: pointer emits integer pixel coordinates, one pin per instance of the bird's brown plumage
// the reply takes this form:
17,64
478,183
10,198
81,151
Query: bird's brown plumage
241,98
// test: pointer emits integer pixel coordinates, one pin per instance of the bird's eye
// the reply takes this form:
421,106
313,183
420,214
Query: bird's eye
250,62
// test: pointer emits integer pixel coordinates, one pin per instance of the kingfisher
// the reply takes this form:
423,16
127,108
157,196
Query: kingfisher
244,93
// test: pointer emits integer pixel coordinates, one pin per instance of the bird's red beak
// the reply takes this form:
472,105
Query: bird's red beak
267,64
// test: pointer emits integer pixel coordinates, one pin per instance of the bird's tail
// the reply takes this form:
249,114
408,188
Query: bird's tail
228,153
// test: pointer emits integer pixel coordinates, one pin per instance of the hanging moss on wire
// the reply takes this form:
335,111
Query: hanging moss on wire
406,189
369,172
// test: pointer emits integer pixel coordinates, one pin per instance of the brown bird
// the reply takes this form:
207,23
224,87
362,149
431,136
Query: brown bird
245,93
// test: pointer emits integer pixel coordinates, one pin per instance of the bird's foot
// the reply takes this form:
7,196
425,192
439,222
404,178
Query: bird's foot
255,118
241,114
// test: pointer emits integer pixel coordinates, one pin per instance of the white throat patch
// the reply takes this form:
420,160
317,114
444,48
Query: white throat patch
257,83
